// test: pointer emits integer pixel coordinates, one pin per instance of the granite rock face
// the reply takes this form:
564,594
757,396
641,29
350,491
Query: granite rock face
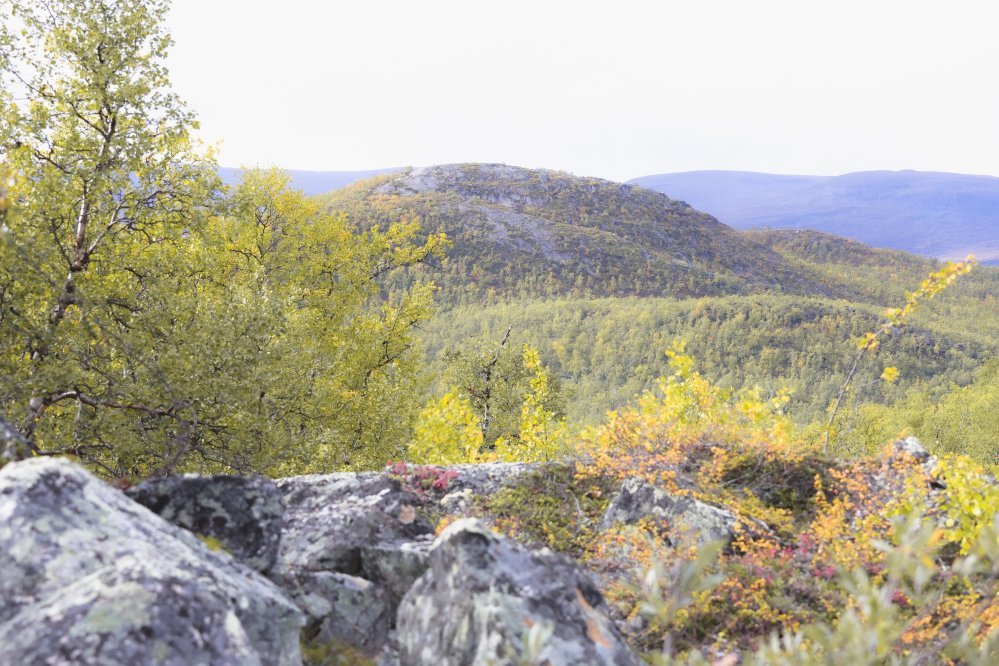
639,499
330,520
487,479
338,607
87,576
396,565
244,513
485,600
351,546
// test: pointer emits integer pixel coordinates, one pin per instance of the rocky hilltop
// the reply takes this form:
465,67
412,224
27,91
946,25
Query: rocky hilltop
535,232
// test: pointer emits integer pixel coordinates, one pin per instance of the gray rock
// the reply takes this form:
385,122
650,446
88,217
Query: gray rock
913,447
331,519
458,501
486,600
13,446
485,479
88,576
243,513
639,499
342,608
396,565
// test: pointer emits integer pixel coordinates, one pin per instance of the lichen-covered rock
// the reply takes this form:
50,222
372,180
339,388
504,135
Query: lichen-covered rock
329,520
913,447
485,600
396,564
639,499
13,447
485,479
87,576
243,513
342,608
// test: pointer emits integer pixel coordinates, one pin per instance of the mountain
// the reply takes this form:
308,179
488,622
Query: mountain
942,215
539,233
312,182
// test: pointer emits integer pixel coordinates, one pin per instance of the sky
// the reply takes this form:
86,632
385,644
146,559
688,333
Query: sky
611,89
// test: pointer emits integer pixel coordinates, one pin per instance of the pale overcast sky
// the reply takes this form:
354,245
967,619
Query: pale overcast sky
612,89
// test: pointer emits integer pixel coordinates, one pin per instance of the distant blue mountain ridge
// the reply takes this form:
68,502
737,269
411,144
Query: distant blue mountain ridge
313,182
942,215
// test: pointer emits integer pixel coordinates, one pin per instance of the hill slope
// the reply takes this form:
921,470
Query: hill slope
941,215
599,277
522,232
608,350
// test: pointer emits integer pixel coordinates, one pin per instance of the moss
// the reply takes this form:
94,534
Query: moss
211,542
552,507
782,484
333,653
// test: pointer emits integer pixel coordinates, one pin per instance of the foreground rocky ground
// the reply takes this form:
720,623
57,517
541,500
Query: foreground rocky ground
229,570
411,566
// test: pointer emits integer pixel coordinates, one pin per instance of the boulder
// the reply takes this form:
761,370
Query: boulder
639,499
912,447
396,564
351,547
243,513
343,609
13,446
331,519
486,600
87,576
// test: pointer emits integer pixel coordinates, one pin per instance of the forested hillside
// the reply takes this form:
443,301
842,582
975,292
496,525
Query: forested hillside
601,278
536,233
609,350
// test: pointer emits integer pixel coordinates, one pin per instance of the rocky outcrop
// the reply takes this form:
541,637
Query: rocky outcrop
88,576
485,600
344,609
681,514
329,520
396,565
243,513
912,447
351,546
487,479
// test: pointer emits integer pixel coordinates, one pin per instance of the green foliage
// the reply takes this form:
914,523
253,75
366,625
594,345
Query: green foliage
876,627
333,653
968,504
542,432
964,420
495,377
894,319
607,351
551,507
837,582
519,403
447,431
666,591
151,323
